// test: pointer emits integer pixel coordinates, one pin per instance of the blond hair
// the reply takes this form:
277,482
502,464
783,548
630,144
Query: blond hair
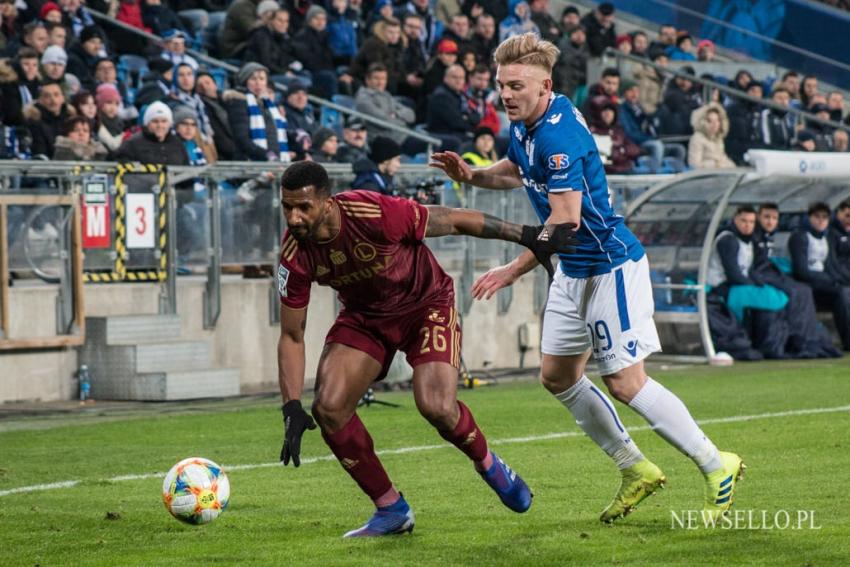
527,49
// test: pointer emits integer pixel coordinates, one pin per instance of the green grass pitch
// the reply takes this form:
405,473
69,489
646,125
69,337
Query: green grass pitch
798,461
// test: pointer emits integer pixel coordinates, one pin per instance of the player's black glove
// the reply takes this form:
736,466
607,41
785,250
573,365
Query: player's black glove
295,421
545,240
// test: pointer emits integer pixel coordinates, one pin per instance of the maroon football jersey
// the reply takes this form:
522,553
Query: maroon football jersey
377,262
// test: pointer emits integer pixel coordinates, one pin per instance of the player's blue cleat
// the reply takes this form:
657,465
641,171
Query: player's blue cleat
393,519
512,490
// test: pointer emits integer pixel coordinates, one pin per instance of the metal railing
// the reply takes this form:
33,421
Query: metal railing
430,140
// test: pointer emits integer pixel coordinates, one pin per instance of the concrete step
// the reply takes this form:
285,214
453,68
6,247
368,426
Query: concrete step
134,329
172,357
167,386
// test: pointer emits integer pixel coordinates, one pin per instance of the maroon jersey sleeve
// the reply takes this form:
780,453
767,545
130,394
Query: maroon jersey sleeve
400,219
293,280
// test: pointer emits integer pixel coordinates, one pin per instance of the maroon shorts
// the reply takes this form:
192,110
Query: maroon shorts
429,334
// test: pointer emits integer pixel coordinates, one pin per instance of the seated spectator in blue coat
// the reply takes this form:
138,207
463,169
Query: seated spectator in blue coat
683,50
815,263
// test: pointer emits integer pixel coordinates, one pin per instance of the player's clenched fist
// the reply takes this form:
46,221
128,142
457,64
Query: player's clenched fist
295,421
453,166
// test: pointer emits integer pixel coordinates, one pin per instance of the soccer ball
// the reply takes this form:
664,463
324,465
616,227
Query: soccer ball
196,491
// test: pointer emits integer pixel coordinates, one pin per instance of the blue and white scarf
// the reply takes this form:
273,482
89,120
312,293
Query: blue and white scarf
258,125
196,158
180,59
79,20
194,102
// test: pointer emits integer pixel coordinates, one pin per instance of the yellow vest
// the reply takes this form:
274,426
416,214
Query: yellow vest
477,161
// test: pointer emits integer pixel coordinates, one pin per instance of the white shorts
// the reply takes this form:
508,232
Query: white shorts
610,314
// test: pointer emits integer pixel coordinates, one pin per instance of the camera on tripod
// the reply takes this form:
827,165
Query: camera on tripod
425,191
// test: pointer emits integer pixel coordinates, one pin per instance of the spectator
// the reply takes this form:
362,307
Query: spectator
382,11
742,81
484,151
312,48
624,43
484,41
814,262
458,32
446,9
156,85
76,143
19,85
155,143
45,118
835,104
608,86
651,82
84,55
237,25
449,113
158,17
808,89
343,27
373,99
299,111
385,47
57,35
705,148
774,129
259,128
683,50
54,64
207,89
9,25
640,44
415,60
325,146
706,51
483,98
432,28
640,128
183,93
84,105
744,121
110,130
271,46
353,148
570,71
519,22
680,100
600,29
666,38
50,12
544,21
806,141
174,48
475,8
603,122
840,141
376,172
105,73
446,56
822,132
570,17
35,36
839,239
791,83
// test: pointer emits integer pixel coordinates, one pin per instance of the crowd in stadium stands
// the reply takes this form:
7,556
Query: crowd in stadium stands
76,87
761,304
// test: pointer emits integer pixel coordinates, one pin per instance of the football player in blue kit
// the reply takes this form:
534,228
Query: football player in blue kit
600,302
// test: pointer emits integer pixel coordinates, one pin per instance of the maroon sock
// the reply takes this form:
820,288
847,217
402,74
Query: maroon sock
353,446
466,435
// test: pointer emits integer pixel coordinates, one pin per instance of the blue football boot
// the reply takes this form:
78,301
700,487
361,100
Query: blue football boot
512,490
393,519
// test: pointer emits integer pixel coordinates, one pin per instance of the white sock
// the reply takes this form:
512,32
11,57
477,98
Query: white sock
669,417
596,415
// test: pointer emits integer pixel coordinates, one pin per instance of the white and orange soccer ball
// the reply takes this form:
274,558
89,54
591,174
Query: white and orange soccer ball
196,491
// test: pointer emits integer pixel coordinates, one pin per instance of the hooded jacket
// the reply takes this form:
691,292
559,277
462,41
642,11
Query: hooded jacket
706,151
516,24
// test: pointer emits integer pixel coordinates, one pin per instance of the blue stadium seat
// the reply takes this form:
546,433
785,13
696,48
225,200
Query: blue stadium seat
220,77
131,69
332,119
344,100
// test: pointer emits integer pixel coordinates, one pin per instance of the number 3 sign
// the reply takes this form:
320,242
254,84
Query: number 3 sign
141,219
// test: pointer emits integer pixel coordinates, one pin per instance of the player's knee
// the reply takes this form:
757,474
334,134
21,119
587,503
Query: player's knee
557,382
623,388
441,412
329,414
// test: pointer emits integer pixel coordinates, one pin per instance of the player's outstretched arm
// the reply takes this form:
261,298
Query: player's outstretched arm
290,363
503,174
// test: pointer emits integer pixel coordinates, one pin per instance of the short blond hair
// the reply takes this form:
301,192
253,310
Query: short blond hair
527,49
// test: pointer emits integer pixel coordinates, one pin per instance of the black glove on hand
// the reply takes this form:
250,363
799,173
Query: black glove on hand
547,240
295,421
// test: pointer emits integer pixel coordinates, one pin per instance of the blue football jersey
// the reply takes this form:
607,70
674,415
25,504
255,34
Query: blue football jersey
558,154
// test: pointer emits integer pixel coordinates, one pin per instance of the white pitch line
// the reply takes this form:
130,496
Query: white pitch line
420,448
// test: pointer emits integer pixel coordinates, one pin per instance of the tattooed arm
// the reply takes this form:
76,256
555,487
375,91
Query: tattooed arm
443,221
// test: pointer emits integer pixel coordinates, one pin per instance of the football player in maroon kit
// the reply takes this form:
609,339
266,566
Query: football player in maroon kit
395,296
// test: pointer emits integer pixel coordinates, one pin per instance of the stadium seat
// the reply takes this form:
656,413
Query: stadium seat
220,77
331,118
131,69
344,100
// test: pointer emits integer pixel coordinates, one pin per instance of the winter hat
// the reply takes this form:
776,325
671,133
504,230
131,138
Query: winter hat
483,131
267,6
157,110
321,136
447,46
47,8
805,136
182,113
160,65
295,87
384,149
354,123
380,4
819,107
106,93
249,69
627,84
606,8
313,12
174,32
90,32
54,54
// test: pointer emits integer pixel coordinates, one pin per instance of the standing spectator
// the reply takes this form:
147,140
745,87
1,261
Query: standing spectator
446,56
458,32
814,262
183,93
600,29
385,47
174,48
839,239
156,85
603,122
325,146
775,132
680,100
808,90
835,104
432,28
312,48
19,86
158,17
651,82
76,144
744,120
110,130
84,55
482,98
705,148
271,46
259,128
484,40
45,118
353,148
299,112
233,33
343,29
373,99
376,172
544,21
570,71
449,113
214,106
155,143
519,22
